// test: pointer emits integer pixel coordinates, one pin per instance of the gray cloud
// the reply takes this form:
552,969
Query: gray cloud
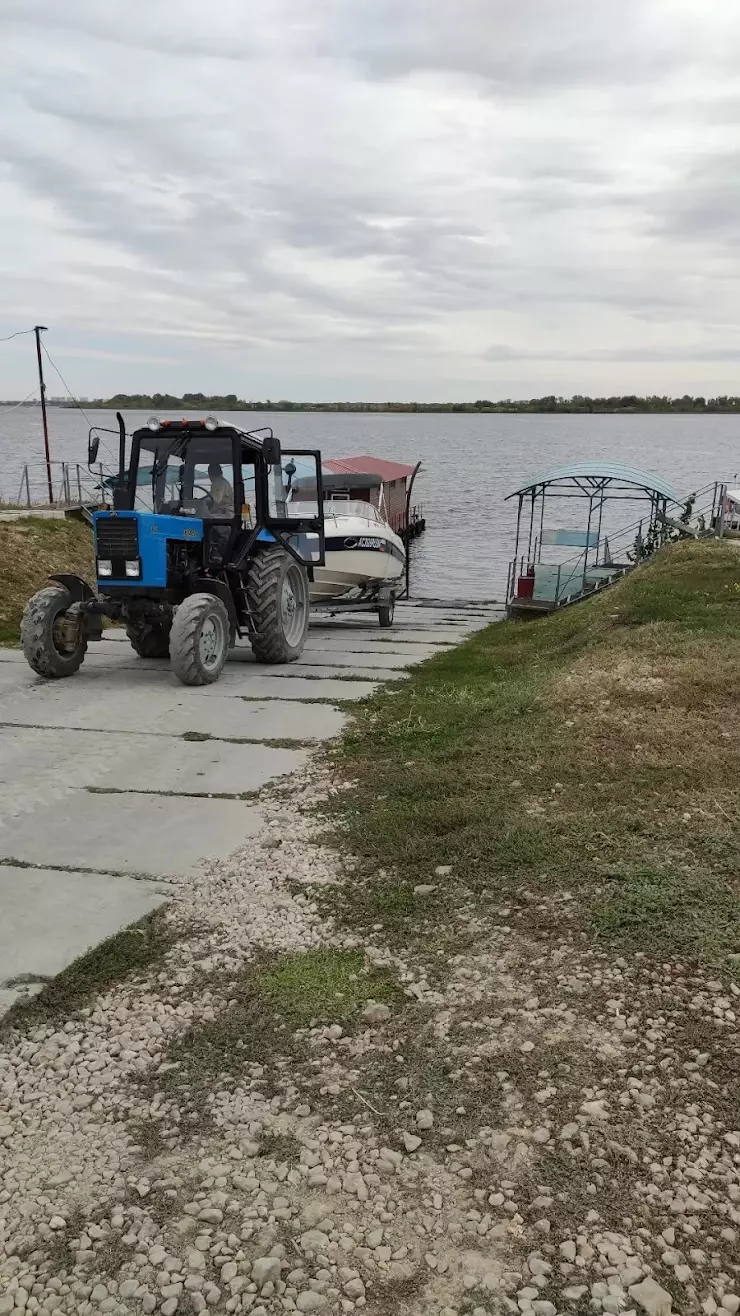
530,47
608,355
703,203
373,190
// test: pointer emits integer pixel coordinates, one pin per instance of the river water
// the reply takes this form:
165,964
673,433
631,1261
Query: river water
470,464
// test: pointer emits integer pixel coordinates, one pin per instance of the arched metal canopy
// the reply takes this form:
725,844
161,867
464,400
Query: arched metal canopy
608,479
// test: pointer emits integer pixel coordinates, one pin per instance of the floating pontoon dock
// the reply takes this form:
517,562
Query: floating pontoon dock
537,586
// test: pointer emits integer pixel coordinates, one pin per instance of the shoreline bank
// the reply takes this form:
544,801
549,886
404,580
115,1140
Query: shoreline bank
475,1052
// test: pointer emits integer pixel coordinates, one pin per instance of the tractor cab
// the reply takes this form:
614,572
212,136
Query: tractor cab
200,547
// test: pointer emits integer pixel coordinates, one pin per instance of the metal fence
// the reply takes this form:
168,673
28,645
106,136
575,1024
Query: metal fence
72,485
397,520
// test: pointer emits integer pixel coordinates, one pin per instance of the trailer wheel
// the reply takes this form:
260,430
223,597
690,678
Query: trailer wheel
277,593
149,639
199,639
54,641
386,613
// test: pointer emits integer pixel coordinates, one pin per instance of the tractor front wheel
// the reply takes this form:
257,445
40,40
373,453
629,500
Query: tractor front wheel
53,634
199,639
277,592
149,639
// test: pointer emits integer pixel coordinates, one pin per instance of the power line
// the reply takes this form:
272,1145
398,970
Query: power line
66,385
18,334
5,411
79,406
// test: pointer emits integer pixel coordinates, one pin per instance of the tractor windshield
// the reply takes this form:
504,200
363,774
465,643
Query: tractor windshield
186,475
151,494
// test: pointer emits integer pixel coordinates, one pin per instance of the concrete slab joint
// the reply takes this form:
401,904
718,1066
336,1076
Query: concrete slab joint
116,785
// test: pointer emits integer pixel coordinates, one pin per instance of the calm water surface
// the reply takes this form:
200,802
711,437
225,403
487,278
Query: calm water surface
470,463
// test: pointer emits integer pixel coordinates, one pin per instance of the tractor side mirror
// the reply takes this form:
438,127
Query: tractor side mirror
93,446
271,450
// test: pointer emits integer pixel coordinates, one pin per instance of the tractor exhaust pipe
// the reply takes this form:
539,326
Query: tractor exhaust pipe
120,494
121,449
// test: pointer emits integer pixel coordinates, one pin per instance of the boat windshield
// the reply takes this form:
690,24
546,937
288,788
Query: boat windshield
336,507
352,507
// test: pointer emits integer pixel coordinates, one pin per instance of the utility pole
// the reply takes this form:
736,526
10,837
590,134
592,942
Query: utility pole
39,329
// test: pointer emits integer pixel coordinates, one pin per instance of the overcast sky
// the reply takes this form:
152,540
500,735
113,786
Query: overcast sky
372,198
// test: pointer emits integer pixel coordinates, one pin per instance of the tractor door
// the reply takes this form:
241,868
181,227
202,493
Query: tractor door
211,491
295,504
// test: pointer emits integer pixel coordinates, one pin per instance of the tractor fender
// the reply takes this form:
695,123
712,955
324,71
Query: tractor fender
205,585
77,588
80,592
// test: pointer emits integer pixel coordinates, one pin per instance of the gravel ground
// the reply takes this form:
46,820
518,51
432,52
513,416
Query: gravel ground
538,1126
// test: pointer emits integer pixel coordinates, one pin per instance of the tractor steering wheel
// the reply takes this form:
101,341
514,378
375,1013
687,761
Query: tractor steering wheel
207,492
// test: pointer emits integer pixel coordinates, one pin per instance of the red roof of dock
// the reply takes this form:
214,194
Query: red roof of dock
369,466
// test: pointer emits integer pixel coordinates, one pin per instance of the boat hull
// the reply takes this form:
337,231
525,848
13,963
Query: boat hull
359,560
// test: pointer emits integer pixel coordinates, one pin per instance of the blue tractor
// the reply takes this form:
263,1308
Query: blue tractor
196,550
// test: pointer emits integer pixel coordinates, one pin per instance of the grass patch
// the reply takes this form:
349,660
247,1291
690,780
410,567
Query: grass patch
278,742
268,1007
397,1297
592,751
323,986
148,1138
30,548
281,1148
475,1299
174,795
680,910
133,950
59,1250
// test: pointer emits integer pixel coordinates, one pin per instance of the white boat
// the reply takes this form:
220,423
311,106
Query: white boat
364,557
362,553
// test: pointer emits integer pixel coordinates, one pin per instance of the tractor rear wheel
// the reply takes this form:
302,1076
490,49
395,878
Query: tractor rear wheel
150,639
53,637
199,639
277,592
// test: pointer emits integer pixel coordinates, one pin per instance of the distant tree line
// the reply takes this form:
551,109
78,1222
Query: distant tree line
550,403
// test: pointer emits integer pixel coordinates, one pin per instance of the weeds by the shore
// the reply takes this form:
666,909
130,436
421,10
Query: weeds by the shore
593,755
133,950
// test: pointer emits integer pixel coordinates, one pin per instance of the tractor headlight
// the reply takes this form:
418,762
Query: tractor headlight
211,423
132,569
105,567
153,424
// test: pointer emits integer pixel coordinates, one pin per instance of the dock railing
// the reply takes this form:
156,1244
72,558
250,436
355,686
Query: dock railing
416,521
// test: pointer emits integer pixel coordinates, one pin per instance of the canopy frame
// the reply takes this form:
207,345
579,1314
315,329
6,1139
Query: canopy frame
597,483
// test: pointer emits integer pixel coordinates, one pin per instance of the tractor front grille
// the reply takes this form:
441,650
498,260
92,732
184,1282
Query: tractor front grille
117,537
